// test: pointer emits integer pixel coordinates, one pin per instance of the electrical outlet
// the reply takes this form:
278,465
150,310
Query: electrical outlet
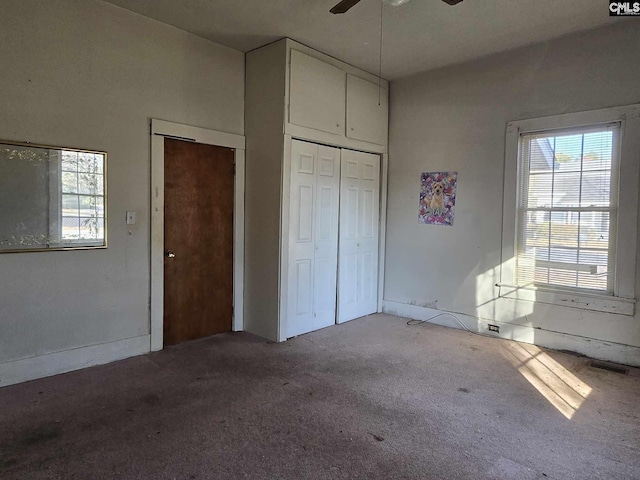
494,328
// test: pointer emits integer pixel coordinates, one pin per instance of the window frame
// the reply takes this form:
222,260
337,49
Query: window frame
525,178
622,300
54,193
57,223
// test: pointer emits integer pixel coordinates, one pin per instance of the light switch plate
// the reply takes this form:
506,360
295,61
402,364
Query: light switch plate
131,218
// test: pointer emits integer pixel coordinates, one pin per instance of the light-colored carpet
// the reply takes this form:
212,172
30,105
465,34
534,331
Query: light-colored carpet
371,399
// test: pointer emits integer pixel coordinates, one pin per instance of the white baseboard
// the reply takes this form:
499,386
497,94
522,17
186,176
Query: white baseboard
31,368
600,349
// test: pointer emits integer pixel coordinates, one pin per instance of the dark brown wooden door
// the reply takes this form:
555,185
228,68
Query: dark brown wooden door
198,230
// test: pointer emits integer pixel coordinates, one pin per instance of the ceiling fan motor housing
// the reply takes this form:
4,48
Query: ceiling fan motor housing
345,5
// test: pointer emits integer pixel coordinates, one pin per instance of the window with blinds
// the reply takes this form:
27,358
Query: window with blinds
567,208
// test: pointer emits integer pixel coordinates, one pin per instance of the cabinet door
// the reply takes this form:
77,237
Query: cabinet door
358,244
313,237
316,94
367,111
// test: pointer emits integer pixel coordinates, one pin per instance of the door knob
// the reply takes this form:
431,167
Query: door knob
170,254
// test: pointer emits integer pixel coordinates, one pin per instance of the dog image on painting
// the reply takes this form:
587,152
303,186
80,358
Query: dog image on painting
437,198
436,204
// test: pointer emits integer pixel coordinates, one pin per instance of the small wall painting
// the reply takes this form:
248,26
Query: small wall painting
437,198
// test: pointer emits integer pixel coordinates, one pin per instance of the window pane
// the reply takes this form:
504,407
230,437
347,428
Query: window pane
69,205
100,206
594,282
564,255
596,188
595,258
99,185
87,162
540,190
562,277
526,270
69,161
598,149
541,275
568,153
534,242
70,228
90,227
536,233
563,233
87,183
596,264
566,189
594,230
69,182
88,206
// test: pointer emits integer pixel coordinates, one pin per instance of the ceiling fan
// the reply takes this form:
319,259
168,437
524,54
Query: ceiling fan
345,5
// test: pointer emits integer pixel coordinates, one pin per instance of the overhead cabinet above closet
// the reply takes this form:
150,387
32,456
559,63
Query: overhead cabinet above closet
327,98
316,94
313,216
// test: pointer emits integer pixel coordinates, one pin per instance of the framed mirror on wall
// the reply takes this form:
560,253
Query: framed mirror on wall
52,198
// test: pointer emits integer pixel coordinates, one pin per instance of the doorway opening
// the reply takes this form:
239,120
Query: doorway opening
197,233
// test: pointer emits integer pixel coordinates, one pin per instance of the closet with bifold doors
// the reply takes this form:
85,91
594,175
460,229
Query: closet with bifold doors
315,191
333,236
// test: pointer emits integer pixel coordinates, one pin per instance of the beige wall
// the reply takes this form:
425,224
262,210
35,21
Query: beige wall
454,119
85,74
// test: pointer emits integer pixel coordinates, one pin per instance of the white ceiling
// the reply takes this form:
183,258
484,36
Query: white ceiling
418,36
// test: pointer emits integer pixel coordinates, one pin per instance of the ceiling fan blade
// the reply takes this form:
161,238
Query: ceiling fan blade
344,6
452,2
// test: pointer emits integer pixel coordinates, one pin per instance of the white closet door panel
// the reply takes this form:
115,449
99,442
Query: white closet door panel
358,243
301,238
303,282
317,94
326,253
368,233
368,289
304,199
313,237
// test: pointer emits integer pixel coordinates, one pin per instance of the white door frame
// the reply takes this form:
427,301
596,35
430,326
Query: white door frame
159,130
382,232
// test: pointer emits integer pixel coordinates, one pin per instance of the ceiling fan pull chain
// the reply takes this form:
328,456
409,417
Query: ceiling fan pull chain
380,62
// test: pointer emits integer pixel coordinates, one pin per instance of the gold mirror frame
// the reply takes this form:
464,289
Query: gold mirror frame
52,198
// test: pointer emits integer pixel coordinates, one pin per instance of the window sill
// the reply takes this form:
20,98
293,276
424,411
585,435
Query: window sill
586,301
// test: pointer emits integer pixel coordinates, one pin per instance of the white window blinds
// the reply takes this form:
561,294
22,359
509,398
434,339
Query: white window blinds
567,208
